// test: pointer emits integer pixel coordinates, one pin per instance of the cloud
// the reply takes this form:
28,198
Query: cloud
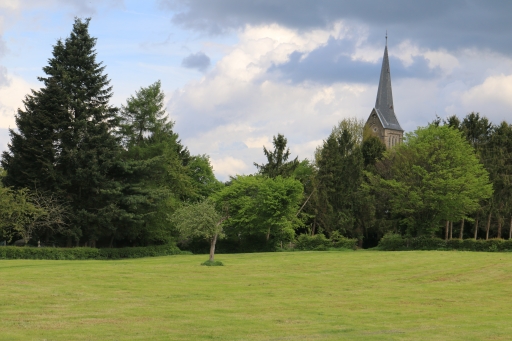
198,61
302,83
11,97
235,109
433,23
228,166
4,139
333,62
78,7
492,98
4,79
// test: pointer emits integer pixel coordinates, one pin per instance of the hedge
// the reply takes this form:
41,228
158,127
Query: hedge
13,252
319,242
395,242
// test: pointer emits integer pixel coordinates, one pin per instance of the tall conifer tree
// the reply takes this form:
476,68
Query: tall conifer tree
83,150
35,149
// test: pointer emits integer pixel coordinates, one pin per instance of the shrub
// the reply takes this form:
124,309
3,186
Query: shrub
427,243
319,242
392,242
12,252
212,263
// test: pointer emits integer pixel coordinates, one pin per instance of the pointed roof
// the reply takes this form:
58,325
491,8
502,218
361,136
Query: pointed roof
384,103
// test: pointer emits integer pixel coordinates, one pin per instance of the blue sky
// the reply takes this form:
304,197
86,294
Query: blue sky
237,72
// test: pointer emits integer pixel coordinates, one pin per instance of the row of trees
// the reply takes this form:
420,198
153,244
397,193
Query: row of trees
81,171
115,172
443,178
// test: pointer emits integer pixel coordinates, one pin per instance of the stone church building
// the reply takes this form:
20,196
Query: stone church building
382,121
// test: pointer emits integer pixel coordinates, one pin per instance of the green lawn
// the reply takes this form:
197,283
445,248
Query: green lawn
362,295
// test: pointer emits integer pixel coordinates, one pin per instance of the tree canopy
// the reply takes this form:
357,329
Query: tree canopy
434,176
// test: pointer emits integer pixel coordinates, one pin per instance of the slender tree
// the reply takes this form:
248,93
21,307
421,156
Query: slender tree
277,159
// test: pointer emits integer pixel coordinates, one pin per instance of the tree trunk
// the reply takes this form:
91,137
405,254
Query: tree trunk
451,230
446,229
268,234
461,235
111,242
488,227
212,247
499,227
510,229
476,228
314,227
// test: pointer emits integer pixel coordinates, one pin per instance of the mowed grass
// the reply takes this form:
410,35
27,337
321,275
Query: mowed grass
362,295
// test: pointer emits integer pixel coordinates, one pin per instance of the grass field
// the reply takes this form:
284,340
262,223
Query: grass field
362,295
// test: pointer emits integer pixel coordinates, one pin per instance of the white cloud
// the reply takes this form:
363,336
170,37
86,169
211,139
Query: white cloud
228,166
234,110
492,98
258,142
11,98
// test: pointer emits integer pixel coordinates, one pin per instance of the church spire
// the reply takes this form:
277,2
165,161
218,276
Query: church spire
384,103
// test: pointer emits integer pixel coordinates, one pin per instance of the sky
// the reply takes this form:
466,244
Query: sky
238,72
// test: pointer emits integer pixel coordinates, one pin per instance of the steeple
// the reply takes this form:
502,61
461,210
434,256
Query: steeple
384,103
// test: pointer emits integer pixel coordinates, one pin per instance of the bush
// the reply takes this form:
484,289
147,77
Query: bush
427,243
319,242
212,263
12,252
394,242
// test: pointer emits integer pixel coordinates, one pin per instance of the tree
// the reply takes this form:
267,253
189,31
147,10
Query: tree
80,153
277,160
373,149
498,159
340,171
203,179
156,175
434,176
258,205
200,220
33,159
144,114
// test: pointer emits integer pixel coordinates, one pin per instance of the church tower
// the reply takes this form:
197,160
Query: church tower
382,121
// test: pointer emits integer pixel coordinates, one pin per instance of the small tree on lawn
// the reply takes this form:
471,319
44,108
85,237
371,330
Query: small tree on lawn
200,220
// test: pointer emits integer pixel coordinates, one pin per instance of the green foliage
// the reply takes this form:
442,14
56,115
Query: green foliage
18,214
144,114
203,179
392,242
277,160
12,252
34,156
319,242
340,174
395,242
200,220
212,263
66,143
154,174
257,205
373,150
433,176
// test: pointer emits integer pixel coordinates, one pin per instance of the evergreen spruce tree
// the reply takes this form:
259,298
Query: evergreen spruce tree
277,160
35,149
83,150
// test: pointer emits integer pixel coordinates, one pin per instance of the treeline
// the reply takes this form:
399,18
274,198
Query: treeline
81,172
